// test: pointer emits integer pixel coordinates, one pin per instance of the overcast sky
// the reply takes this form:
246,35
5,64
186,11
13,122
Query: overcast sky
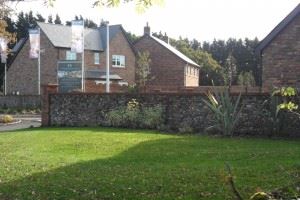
200,19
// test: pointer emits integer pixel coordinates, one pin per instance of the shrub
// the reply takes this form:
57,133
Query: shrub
135,115
226,111
7,119
151,117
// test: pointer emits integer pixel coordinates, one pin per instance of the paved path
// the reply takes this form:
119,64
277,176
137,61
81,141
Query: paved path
26,122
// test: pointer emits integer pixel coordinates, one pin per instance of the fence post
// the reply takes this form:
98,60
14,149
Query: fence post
47,90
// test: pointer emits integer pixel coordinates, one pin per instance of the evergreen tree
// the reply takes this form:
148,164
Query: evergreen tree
39,18
57,19
50,19
90,23
22,26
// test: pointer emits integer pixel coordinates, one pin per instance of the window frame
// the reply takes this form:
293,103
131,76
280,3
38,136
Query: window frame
116,59
96,59
68,53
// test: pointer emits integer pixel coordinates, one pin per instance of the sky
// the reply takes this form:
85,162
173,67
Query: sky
203,20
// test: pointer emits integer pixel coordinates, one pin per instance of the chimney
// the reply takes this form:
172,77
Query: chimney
147,29
166,38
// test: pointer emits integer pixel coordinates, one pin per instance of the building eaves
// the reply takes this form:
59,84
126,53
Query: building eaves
175,51
277,30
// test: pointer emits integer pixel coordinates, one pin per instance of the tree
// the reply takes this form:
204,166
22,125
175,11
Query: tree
50,19
90,23
57,19
246,79
229,72
143,70
39,18
132,37
210,68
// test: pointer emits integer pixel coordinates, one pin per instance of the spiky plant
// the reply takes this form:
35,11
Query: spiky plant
226,111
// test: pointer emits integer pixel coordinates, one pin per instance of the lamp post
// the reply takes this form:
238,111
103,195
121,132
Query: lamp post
107,58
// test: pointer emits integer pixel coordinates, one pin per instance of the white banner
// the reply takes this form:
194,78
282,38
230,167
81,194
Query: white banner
34,37
77,36
3,49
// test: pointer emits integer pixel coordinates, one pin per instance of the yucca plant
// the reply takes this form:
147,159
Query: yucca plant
226,111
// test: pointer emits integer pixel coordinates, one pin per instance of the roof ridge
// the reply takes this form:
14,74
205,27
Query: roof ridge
175,51
278,28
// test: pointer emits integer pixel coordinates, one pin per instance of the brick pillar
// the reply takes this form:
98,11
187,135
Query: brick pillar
46,91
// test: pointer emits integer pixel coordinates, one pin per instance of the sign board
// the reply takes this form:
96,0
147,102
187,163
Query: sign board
69,76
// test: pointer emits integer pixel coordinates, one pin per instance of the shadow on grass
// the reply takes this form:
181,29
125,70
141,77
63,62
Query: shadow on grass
174,168
161,169
88,129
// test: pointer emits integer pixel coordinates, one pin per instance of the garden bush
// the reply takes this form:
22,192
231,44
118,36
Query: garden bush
6,119
135,115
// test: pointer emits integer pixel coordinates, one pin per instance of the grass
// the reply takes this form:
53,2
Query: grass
98,163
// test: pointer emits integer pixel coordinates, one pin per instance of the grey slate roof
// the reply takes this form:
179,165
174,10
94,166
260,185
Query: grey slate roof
60,36
94,39
286,21
19,44
113,30
175,51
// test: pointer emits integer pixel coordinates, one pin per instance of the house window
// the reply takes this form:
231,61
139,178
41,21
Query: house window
70,55
118,61
96,58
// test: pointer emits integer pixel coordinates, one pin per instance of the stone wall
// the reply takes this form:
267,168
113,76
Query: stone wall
22,101
180,111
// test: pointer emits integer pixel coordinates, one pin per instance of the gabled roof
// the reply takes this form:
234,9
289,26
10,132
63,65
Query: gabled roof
113,30
19,44
281,26
173,50
60,36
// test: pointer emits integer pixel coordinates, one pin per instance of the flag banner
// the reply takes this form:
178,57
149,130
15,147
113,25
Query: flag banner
3,49
77,36
34,37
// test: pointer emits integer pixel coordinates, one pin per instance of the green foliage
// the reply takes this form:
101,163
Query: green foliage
109,163
274,115
135,115
152,117
210,68
141,5
246,79
229,70
226,111
242,51
143,70
288,94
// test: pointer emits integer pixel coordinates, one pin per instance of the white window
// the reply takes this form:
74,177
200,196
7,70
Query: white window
118,61
70,55
96,58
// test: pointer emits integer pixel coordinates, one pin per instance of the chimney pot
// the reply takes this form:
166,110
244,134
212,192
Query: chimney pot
147,29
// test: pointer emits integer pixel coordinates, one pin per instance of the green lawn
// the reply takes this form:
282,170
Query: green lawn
91,163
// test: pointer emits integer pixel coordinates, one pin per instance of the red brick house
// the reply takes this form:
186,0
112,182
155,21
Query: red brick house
22,76
280,53
168,66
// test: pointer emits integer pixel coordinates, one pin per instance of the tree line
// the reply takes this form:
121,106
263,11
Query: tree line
230,62
223,62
